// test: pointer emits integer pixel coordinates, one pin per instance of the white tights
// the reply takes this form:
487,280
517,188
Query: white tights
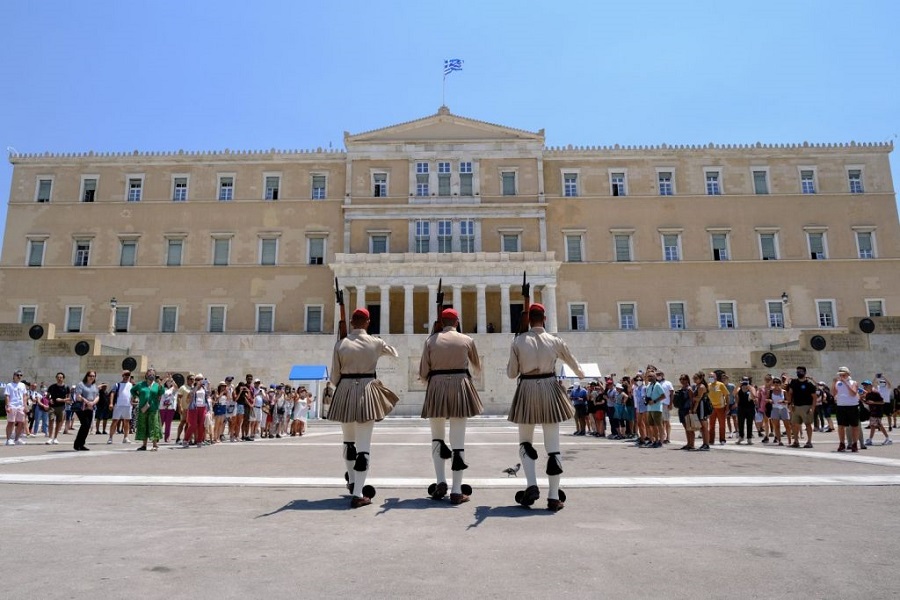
457,442
551,445
360,434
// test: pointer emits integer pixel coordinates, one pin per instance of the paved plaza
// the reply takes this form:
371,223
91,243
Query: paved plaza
271,519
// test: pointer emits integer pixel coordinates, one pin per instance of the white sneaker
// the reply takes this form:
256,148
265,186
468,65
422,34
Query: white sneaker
887,442
48,442
55,442
109,441
126,441
868,442
10,442
20,442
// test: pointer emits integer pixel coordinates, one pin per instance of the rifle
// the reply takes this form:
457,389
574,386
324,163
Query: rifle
339,298
526,304
438,325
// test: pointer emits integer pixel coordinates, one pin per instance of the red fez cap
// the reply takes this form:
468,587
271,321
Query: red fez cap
449,313
536,308
360,313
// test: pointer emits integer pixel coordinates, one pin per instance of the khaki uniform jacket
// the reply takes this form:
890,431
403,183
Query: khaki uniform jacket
358,353
448,349
536,351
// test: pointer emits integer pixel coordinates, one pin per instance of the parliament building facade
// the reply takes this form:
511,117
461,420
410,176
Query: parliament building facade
630,249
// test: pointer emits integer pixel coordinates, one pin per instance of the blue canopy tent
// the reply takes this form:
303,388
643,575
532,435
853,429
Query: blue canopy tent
313,375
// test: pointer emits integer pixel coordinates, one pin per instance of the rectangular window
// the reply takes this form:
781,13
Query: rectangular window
226,189
35,253
135,188
617,184
570,184
216,322
422,185
726,315
627,316
720,246
445,235
444,184
671,242
82,253
577,317
573,248
318,187
379,185
168,321
854,180
422,168
509,183
379,244
423,236
73,318
666,187
713,187
44,188
467,236
465,167
443,167
268,251
510,242
875,308
28,315
221,250
122,319
676,315
313,319
775,308
760,182
825,310
174,252
465,179
316,248
127,253
768,246
88,190
866,244
179,189
816,241
273,186
807,182
623,248
265,319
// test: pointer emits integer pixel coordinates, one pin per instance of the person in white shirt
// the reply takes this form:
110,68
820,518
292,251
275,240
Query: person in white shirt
15,410
846,396
667,404
120,398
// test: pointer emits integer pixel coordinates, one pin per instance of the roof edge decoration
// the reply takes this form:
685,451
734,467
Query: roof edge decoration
226,154
438,123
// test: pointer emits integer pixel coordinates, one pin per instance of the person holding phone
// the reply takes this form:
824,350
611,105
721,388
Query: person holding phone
846,395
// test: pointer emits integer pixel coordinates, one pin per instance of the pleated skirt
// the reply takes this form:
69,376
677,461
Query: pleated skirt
361,401
451,396
540,401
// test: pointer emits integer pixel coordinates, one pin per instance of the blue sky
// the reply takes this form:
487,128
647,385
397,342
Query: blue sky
208,75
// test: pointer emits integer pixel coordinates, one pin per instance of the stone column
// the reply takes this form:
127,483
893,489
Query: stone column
548,295
432,304
360,296
385,309
505,325
481,308
408,326
457,300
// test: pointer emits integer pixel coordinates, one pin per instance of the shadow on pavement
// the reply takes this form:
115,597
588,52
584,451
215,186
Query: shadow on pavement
509,512
342,503
413,504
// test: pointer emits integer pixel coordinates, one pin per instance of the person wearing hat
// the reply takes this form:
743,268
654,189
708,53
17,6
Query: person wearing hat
359,400
540,398
445,365
15,410
846,396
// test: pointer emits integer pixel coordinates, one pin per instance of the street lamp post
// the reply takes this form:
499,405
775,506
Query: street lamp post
112,315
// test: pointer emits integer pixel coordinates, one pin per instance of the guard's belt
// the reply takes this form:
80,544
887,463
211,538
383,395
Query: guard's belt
358,375
448,372
538,376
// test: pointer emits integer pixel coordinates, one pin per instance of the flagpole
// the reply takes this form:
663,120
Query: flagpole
444,91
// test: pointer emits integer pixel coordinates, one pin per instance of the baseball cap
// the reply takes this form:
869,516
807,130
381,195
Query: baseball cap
229,378
867,382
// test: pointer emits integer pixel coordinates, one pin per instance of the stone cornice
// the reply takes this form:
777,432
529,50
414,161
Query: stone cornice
179,156
638,150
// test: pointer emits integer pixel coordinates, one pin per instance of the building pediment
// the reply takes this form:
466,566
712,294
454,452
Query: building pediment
441,127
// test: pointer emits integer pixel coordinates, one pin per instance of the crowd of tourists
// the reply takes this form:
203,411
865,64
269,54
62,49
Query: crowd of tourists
156,409
781,410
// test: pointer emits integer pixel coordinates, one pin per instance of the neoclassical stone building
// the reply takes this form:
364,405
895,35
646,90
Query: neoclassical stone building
725,245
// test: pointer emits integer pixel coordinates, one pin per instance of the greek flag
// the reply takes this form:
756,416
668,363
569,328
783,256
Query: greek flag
453,64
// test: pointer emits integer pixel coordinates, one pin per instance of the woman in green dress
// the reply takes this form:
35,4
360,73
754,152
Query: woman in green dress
148,394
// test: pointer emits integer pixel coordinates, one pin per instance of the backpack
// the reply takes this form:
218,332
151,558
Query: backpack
680,399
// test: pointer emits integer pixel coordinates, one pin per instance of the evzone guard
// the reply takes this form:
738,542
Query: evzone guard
539,398
359,398
446,362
